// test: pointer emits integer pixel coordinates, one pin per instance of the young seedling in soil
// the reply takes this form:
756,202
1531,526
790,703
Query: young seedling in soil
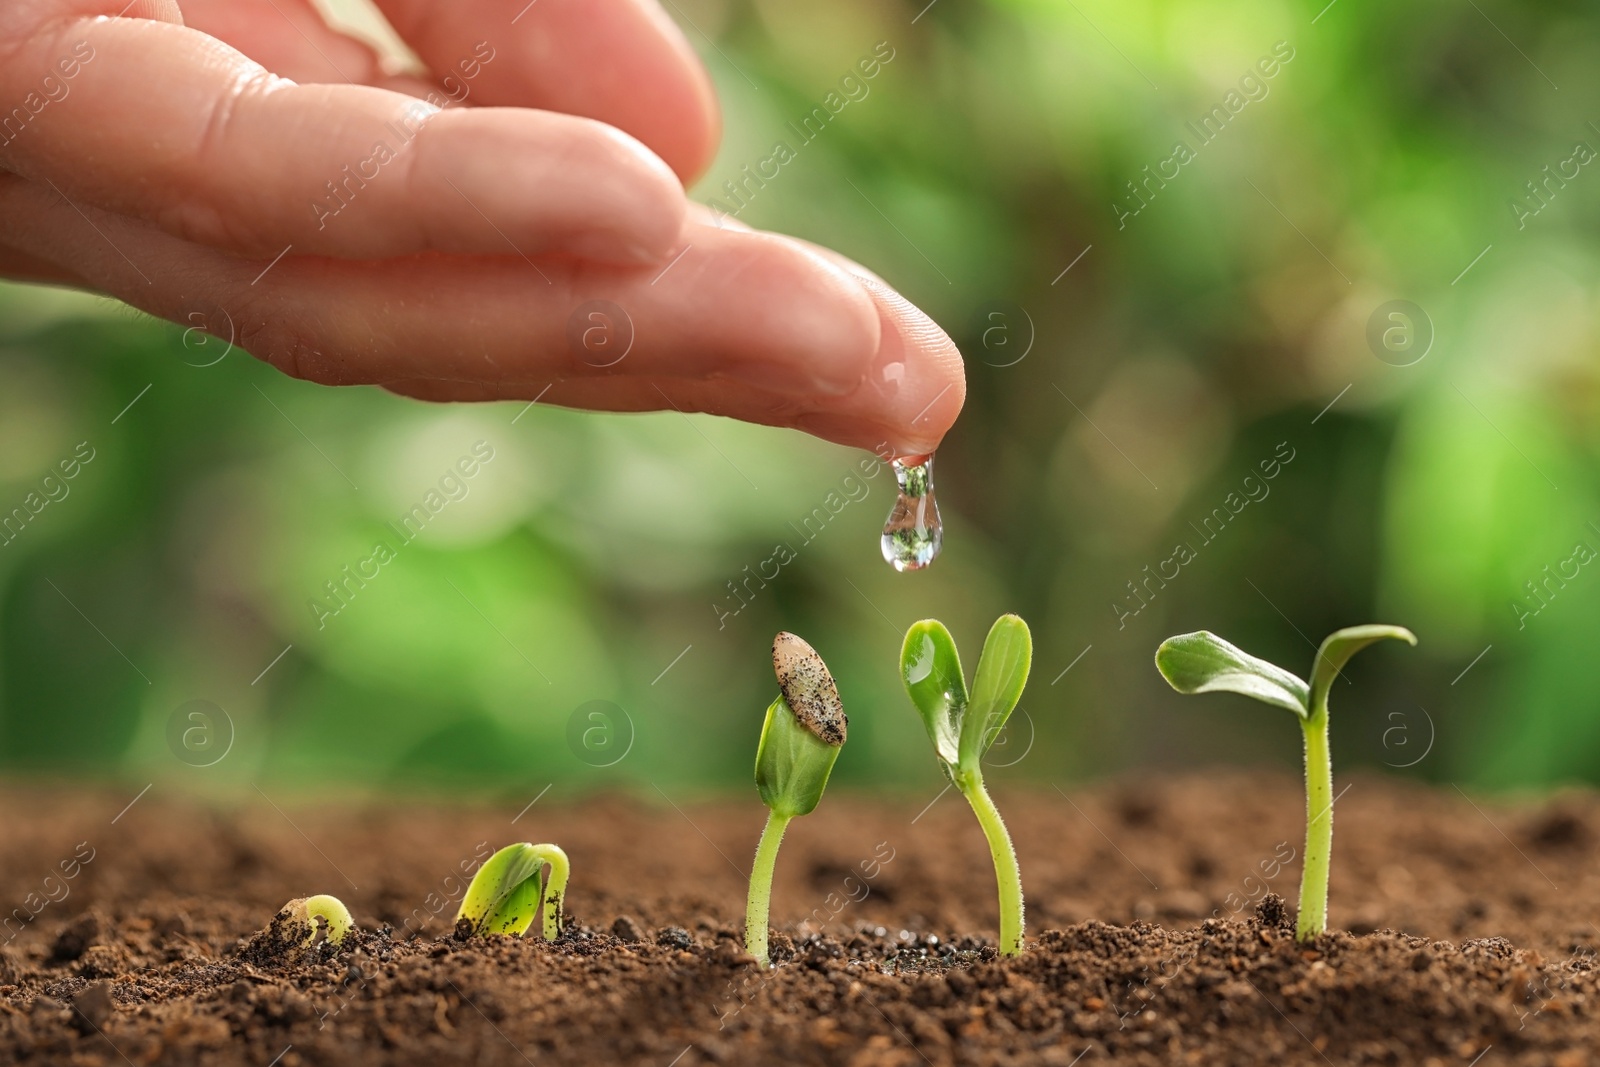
325,918
1202,662
803,733
963,726
508,890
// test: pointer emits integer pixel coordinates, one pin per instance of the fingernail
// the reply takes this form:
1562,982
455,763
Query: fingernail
916,374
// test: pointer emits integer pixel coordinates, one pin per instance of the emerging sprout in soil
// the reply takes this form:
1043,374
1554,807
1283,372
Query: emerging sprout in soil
802,736
1202,662
509,888
325,917
963,726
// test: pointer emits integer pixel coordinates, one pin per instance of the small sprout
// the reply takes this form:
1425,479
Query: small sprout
1202,662
325,918
963,726
508,890
801,737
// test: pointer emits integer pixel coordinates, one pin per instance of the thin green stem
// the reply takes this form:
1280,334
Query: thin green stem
555,892
1008,876
759,905
1313,918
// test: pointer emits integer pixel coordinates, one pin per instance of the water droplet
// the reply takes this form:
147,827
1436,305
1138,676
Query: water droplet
922,666
913,535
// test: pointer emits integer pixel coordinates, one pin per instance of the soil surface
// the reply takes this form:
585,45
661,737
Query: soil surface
1466,932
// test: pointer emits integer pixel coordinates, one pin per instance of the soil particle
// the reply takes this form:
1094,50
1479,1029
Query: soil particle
626,929
74,940
1560,829
674,937
93,1006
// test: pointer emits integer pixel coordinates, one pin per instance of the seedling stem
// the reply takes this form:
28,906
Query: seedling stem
1008,875
1319,825
758,909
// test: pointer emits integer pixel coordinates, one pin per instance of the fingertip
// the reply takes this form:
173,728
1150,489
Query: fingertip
917,378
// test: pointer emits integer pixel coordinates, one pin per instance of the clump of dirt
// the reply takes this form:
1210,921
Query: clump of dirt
1159,934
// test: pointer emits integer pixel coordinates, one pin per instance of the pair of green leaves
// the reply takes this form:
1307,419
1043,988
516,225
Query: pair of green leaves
506,893
1202,662
963,723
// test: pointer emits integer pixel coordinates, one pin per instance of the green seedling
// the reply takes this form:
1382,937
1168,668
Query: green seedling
962,724
801,737
508,890
326,918
1202,662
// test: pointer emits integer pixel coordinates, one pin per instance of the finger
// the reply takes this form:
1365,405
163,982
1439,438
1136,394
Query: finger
753,326
622,62
708,216
288,37
165,123
19,266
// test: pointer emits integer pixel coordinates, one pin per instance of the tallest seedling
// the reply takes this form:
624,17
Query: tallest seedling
962,726
1202,662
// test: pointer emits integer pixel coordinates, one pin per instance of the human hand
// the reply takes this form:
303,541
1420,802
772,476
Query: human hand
349,231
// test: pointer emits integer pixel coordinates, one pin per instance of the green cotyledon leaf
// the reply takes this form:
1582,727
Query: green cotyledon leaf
931,670
996,687
1338,647
1202,662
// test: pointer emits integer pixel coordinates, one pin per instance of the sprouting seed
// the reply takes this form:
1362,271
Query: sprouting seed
800,739
1202,662
508,890
325,917
963,726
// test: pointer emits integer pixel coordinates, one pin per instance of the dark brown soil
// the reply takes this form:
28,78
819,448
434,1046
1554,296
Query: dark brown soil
1153,937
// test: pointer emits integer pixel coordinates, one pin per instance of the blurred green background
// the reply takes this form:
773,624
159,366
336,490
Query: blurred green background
1113,407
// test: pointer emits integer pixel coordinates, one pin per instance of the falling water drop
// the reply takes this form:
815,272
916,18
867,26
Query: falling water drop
913,535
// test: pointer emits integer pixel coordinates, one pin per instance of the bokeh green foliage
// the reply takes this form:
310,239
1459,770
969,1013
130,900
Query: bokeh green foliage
1189,349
